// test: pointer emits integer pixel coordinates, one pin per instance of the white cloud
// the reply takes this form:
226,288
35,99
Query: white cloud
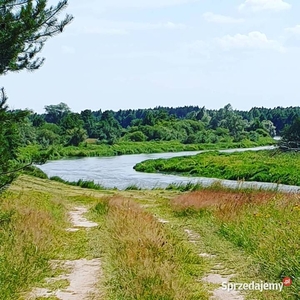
215,18
252,40
294,30
260,5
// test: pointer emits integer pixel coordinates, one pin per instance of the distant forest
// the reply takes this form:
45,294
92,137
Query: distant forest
188,124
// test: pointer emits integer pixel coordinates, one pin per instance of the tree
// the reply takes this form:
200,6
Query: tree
25,26
89,122
70,121
149,119
9,139
76,136
227,118
291,135
54,113
109,128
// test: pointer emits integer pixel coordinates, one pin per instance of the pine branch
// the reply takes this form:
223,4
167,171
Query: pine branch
16,170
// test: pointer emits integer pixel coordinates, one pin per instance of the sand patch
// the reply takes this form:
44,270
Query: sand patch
78,220
83,277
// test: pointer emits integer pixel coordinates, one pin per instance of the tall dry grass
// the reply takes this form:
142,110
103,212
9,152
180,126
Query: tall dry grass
265,225
145,260
224,202
29,223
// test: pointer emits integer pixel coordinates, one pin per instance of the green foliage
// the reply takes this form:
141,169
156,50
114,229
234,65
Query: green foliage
89,123
122,148
185,124
137,136
195,125
9,140
46,137
76,136
292,132
109,128
54,113
266,166
70,121
26,25
34,171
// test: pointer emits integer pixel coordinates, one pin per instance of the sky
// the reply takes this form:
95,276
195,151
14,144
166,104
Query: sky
128,54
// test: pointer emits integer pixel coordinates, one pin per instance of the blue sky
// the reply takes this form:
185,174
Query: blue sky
121,54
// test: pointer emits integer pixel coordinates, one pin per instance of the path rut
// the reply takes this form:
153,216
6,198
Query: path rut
215,276
82,274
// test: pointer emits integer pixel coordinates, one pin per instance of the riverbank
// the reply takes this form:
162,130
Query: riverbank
123,148
262,166
187,241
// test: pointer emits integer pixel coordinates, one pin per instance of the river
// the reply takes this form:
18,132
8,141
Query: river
117,172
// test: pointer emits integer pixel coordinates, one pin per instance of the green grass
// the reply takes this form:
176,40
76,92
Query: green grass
262,227
184,187
270,232
144,259
33,219
122,148
264,166
254,234
88,184
141,259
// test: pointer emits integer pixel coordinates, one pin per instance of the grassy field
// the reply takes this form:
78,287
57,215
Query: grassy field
265,166
252,234
156,244
91,150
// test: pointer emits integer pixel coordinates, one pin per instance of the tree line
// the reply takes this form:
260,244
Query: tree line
188,124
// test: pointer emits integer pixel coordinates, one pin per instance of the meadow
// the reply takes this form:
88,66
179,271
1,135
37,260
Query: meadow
262,224
157,244
263,166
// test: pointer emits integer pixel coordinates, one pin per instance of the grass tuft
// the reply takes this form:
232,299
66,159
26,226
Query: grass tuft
88,184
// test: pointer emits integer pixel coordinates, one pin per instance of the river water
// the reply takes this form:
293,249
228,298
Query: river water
117,172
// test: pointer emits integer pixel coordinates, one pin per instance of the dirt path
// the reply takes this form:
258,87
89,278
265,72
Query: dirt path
78,220
217,276
82,275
